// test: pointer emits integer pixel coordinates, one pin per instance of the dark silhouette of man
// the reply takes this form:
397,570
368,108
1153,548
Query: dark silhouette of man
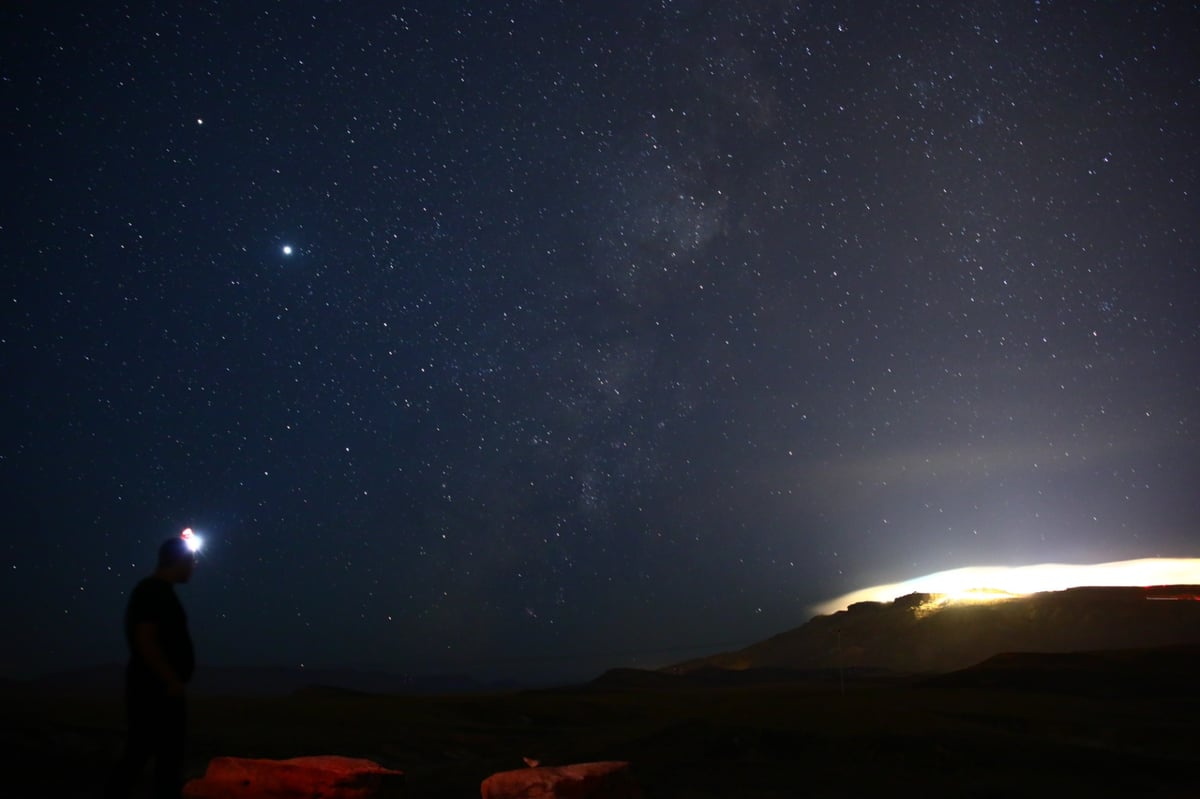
161,661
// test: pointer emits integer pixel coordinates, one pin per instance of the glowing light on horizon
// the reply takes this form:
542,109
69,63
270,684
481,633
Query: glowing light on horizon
193,541
991,583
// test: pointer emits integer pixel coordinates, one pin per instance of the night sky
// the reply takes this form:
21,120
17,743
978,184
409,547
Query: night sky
541,337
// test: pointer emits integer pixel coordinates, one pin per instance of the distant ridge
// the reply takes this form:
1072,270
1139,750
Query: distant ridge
108,681
628,680
918,634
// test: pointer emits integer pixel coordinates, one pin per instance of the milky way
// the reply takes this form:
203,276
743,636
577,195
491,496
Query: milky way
537,337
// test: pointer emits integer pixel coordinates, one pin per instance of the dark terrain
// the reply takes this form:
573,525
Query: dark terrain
1098,724
914,633
1094,693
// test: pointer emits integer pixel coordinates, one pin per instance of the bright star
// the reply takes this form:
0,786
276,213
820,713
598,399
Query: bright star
287,249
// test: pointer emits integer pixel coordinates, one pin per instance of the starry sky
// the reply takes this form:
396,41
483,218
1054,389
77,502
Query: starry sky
541,337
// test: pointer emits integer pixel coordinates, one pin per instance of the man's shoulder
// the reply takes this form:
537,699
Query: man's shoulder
151,584
150,589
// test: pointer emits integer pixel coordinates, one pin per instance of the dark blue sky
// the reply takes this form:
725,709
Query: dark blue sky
610,333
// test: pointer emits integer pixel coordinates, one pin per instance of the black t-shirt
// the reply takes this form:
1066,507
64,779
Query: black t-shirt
153,600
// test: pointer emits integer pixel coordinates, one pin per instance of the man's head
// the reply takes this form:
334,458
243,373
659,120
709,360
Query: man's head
175,560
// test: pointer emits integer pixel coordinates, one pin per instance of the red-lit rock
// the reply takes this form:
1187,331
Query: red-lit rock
606,780
327,776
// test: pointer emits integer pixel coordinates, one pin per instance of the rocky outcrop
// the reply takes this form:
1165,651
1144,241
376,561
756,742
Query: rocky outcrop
921,633
326,776
604,780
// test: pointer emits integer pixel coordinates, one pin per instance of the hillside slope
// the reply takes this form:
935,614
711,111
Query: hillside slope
918,633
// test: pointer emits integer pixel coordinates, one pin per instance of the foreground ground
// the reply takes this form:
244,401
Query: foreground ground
784,739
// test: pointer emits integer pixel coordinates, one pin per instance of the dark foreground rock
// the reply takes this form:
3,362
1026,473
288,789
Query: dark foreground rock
603,780
326,776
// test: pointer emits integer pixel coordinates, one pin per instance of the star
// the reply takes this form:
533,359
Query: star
723,292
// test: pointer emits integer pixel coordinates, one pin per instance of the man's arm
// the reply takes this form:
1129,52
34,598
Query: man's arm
145,638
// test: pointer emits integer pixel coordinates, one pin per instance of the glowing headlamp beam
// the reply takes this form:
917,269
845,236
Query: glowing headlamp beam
193,541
